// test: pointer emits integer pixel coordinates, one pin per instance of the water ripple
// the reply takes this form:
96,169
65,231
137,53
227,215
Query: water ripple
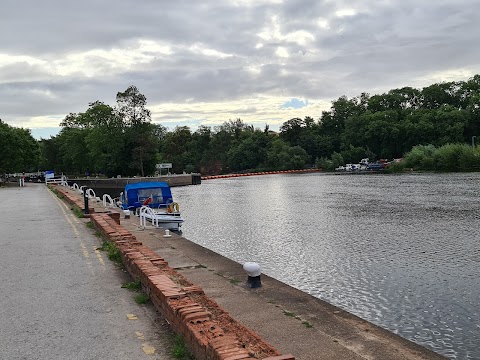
401,251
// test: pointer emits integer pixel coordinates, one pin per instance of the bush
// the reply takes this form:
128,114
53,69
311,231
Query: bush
323,163
420,157
454,157
450,157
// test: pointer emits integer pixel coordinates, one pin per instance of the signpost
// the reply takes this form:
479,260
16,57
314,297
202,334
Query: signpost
159,167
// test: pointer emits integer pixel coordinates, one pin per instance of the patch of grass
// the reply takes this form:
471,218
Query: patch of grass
132,285
89,225
288,313
141,298
234,281
307,324
77,211
56,192
179,349
112,251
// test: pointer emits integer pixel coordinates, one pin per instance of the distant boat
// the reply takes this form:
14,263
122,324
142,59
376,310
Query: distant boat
152,201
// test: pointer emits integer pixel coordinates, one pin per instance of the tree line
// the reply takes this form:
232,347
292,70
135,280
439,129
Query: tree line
123,140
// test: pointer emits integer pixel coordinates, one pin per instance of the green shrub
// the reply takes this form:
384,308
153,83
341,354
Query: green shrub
420,157
453,157
449,157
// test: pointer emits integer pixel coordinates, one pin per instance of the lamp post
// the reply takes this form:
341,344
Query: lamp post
473,141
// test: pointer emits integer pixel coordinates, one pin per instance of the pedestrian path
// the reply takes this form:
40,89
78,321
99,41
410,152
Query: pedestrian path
60,297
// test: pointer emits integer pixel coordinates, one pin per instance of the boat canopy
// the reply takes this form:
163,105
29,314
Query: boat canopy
154,194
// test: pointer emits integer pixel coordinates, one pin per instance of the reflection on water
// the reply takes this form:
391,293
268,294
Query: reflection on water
401,251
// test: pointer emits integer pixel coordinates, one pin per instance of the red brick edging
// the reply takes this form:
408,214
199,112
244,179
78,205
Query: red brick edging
72,198
208,330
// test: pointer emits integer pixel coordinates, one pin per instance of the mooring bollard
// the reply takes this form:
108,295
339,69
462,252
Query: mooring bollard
126,213
167,233
85,203
254,272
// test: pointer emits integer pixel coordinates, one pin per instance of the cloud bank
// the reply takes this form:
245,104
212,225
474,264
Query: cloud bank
203,63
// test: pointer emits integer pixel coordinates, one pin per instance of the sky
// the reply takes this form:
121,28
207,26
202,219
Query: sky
206,62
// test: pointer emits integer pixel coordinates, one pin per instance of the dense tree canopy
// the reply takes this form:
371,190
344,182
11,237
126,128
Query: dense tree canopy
123,140
19,151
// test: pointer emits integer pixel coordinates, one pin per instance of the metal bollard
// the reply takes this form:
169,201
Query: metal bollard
254,272
85,202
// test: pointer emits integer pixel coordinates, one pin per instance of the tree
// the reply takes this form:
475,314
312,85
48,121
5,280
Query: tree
131,107
249,153
291,130
141,142
19,151
281,156
106,139
73,151
175,148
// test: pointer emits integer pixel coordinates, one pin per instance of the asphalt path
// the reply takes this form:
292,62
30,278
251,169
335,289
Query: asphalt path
60,297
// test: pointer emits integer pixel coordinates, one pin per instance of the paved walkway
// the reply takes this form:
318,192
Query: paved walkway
60,298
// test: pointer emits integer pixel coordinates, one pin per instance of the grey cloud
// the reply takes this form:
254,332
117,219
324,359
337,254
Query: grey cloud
386,44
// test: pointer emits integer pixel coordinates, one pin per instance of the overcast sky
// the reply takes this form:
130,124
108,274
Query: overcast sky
205,62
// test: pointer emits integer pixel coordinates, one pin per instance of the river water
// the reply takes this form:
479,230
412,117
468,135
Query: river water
401,251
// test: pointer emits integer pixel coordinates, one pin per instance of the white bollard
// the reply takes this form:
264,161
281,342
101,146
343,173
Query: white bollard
253,271
167,234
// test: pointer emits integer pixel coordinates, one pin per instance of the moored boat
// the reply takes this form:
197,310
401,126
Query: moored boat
152,201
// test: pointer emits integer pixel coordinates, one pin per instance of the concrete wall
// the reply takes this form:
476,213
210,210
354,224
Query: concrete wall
119,183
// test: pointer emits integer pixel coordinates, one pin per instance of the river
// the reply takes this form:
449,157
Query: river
401,251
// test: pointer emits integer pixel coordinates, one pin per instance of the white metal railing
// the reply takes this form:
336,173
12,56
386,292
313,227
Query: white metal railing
147,213
91,194
62,180
75,187
108,201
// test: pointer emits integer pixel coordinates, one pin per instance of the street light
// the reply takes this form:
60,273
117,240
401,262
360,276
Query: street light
473,141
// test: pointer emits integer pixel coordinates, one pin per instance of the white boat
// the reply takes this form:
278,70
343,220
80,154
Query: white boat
166,220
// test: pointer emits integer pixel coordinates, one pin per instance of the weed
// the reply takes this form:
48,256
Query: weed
89,225
141,298
288,313
77,211
179,349
112,251
234,281
307,324
132,285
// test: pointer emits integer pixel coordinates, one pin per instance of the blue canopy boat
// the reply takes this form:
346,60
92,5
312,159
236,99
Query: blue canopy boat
152,201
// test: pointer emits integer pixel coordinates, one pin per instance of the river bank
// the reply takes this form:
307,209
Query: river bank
290,320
